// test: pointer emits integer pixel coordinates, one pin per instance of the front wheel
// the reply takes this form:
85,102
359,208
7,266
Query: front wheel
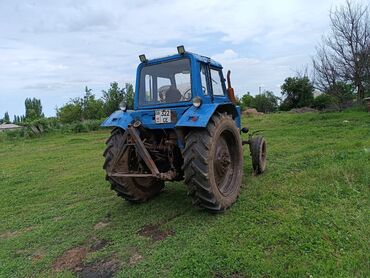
258,151
213,163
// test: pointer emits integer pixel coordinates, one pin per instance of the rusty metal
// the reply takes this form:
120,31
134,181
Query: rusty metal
230,90
143,152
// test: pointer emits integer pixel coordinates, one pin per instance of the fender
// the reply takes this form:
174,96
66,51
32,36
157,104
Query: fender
199,117
119,119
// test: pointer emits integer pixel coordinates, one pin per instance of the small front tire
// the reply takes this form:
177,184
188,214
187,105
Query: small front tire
258,149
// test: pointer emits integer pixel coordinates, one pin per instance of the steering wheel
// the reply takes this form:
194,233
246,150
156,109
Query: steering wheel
187,94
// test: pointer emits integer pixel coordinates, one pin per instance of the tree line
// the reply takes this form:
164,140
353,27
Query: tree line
79,109
341,67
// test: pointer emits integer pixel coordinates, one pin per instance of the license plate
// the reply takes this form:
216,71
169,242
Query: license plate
162,116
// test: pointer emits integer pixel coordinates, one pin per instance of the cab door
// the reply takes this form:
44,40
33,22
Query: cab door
205,83
217,85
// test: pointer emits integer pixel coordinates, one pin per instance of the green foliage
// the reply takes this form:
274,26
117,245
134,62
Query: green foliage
322,101
297,92
129,95
92,108
79,109
341,93
33,109
6,118
306,216
114,96
265,102
70,112
17,119
245,101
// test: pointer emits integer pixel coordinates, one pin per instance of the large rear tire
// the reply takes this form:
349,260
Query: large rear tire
132,189
213,163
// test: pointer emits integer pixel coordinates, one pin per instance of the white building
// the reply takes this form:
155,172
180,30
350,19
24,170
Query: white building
5,127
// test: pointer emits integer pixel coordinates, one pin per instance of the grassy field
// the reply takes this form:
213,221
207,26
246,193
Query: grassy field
307,216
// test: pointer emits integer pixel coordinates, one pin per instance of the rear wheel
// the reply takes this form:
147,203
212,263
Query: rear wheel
132,189
213,163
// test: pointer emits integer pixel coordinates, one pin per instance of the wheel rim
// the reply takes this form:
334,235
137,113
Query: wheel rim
132,165
225,162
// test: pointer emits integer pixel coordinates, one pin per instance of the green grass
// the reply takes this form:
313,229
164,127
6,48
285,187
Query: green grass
308,215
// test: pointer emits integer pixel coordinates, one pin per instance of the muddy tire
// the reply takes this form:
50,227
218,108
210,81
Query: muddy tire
132,189
213,163
258,151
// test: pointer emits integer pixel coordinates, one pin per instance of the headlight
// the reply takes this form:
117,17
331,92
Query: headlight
123,106
197,101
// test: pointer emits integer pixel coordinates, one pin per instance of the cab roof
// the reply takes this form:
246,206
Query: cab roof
196,57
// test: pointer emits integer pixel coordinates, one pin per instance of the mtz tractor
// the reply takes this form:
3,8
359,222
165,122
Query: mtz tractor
185,126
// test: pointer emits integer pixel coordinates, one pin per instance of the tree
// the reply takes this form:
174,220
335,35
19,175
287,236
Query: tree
80,109
128,95
344,54
70,112
16,119
245,101
91,108
342,93
297,92
33,109
265,102
114,96
6,118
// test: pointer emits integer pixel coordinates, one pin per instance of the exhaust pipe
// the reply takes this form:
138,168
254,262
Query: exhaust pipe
230,90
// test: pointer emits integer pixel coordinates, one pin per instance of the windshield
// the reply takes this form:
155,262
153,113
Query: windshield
166,82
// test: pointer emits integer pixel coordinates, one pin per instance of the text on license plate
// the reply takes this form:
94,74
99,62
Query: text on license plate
162,116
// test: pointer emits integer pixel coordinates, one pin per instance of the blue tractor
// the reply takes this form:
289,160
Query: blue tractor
185,125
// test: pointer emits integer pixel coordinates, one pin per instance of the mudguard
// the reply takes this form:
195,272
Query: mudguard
199,117
119,119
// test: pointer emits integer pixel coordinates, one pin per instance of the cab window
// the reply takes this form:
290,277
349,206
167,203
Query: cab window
216,83
203,77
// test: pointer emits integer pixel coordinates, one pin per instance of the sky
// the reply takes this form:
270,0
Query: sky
51,50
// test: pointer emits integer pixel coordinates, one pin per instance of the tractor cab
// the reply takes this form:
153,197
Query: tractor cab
180,90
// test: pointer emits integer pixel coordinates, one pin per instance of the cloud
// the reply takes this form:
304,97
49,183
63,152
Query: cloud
53,49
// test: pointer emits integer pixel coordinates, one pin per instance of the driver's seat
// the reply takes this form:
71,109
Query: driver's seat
173,94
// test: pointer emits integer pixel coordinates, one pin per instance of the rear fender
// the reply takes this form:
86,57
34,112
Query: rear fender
199,117
118,119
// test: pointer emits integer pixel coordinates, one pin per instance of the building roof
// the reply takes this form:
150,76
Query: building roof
9,126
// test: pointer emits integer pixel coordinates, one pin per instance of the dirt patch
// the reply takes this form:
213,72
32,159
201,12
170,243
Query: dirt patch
251,112
98,244
135,258
303,110
57,218
8,234
71,259
100,225
232,275
38,255
154,232
100,269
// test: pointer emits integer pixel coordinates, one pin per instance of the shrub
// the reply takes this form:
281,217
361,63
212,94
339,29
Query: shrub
265,102
322,101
